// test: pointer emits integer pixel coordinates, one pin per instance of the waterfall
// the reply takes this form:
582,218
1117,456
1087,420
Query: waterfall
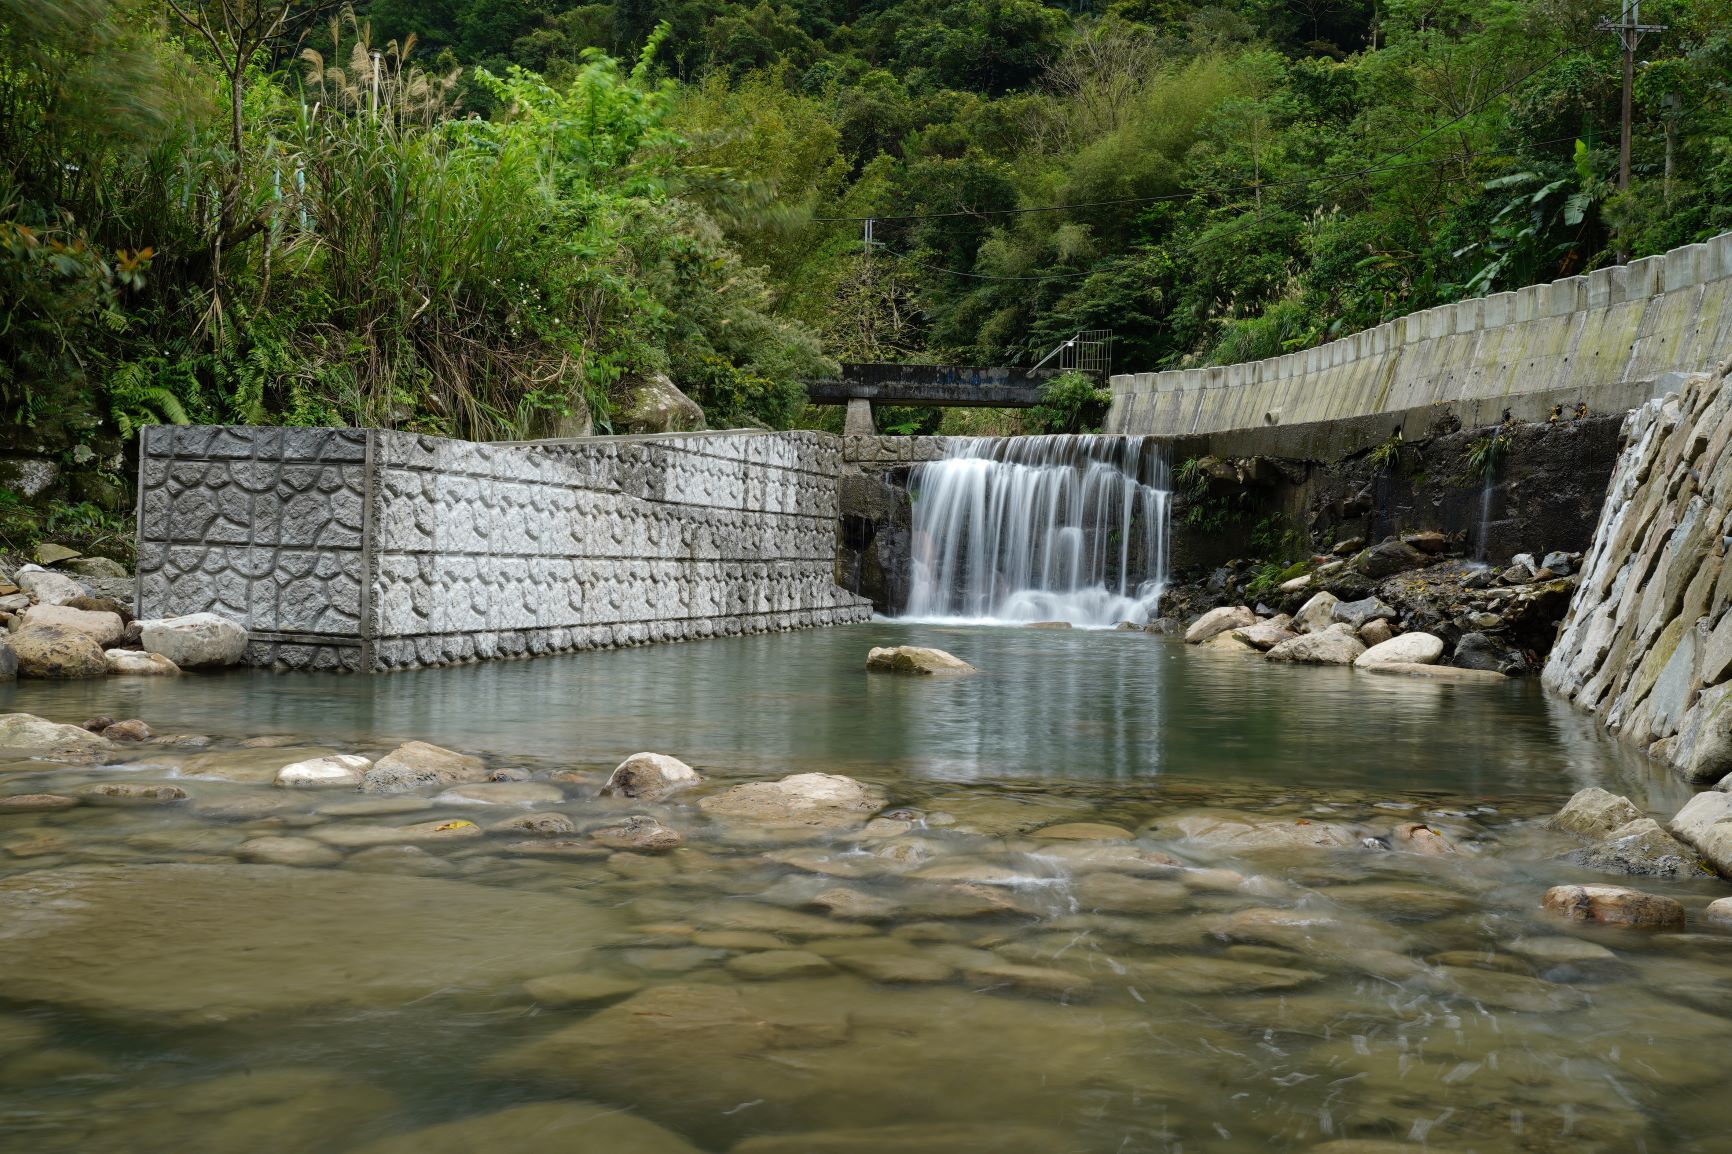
1059,528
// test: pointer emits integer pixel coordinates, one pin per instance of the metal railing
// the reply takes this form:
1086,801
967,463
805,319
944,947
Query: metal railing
1089,351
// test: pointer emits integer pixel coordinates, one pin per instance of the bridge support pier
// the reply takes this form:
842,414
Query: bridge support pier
858,422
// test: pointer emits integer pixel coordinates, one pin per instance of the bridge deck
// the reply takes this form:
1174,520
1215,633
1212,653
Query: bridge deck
962,386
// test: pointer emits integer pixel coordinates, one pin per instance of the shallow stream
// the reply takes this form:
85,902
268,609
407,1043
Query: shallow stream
1095,917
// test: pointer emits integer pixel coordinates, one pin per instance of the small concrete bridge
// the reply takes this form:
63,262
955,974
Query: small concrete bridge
961,386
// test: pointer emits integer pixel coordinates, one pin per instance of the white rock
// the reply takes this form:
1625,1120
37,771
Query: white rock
1330,647
648,775
1315,614
1408,649
135,663
1217,621
336,771
1706,823
102,628
47,587
915,659
29,735
1595,812
198,639
818,800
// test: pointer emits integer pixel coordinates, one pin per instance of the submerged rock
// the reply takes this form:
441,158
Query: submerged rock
35,802
539,1128
287,851
1408,649
1217,621
638,834
356,835
775,964
817,801
1642,848
914,1138
1439,673
1614,906
647,776
416,765
132,793
340,770
579,989
914,659
502,793
535,825
1244,831
195,640
26,735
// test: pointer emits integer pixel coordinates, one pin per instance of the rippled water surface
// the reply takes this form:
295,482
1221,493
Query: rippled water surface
1121,899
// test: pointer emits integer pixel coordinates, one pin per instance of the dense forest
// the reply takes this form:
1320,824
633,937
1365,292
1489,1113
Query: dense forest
488,218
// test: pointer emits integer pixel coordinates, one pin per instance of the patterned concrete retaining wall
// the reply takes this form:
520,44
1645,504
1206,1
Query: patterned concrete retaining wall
358,549
1607,340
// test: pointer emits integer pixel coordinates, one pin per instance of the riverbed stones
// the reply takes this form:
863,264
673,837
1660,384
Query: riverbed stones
287,851
1231,829
57,653
1595,812
131,793
48,587
638,834
131,729
1614,906
136,663
772,965
501,793
807,801
1642,848
418,765
1409,648
1719,912
539,1128
915,660
535,825
197,640
36,802
1361,612
1217,621
103,628
1036,979
1329,647
1266,635
338,771
359,835
581,988
26,735
647,776
1448,674
914,1138
133,941
1120,893
1082,831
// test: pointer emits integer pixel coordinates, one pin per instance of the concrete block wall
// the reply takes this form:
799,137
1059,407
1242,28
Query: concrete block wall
1604,340
370,550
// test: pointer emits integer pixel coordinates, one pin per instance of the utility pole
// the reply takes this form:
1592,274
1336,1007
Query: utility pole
1630,30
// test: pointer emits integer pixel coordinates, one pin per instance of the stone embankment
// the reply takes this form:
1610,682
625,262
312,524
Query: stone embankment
75,621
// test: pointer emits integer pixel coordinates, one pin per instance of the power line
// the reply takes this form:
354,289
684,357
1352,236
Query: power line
1351,175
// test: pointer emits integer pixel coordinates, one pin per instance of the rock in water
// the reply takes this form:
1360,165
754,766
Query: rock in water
915,659
102,628
1330,647
1614,906
818,801
132,793
648,776
340,770
25,735
287,851
539,1128
1594,812
416,764
35,802
1408,649
1642,849
58,653
132,663
1706,823
198,639
639,835
133,942
1219,621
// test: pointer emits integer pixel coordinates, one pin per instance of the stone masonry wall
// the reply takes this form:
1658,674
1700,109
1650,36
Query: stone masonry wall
1605,340
373,550
1647,643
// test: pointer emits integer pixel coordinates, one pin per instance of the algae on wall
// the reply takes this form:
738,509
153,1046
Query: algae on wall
1647,643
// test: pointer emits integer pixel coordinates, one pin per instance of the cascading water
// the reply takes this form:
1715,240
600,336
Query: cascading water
1058,528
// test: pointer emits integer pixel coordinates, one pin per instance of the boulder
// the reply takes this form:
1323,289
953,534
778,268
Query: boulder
770,965
818,801
1408,649
1614,906
648,776
538,1128
582,988
1478,651
916,660
1234,830
287,851
1641,849
36,802
1330,647
52,553
1389,558
338,771
131,793
1719,912
1220,620
103,628
58,653
502,793
653,404
1563,564
1706,823
1266,634
1595,812
1429,541
1375,632
1228,643
26,735
1438,672
134,663
638,834
1315,614
416,765
129,730
198,639
48,588
1702,751
535,825
1357,613
358,835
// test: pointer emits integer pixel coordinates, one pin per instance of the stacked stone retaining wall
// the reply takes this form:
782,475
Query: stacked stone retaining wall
365,549
1607,340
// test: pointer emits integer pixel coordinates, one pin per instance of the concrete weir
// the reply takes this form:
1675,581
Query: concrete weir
372,550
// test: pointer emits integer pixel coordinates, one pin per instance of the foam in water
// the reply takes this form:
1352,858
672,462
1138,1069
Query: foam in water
1059,528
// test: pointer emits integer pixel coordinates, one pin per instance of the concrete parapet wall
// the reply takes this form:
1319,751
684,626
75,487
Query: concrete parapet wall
1607,340
365,550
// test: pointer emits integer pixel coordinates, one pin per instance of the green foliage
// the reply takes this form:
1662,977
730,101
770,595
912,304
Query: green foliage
1071,403
1485,455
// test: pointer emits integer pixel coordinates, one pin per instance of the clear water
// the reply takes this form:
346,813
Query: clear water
1061,528
980,986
